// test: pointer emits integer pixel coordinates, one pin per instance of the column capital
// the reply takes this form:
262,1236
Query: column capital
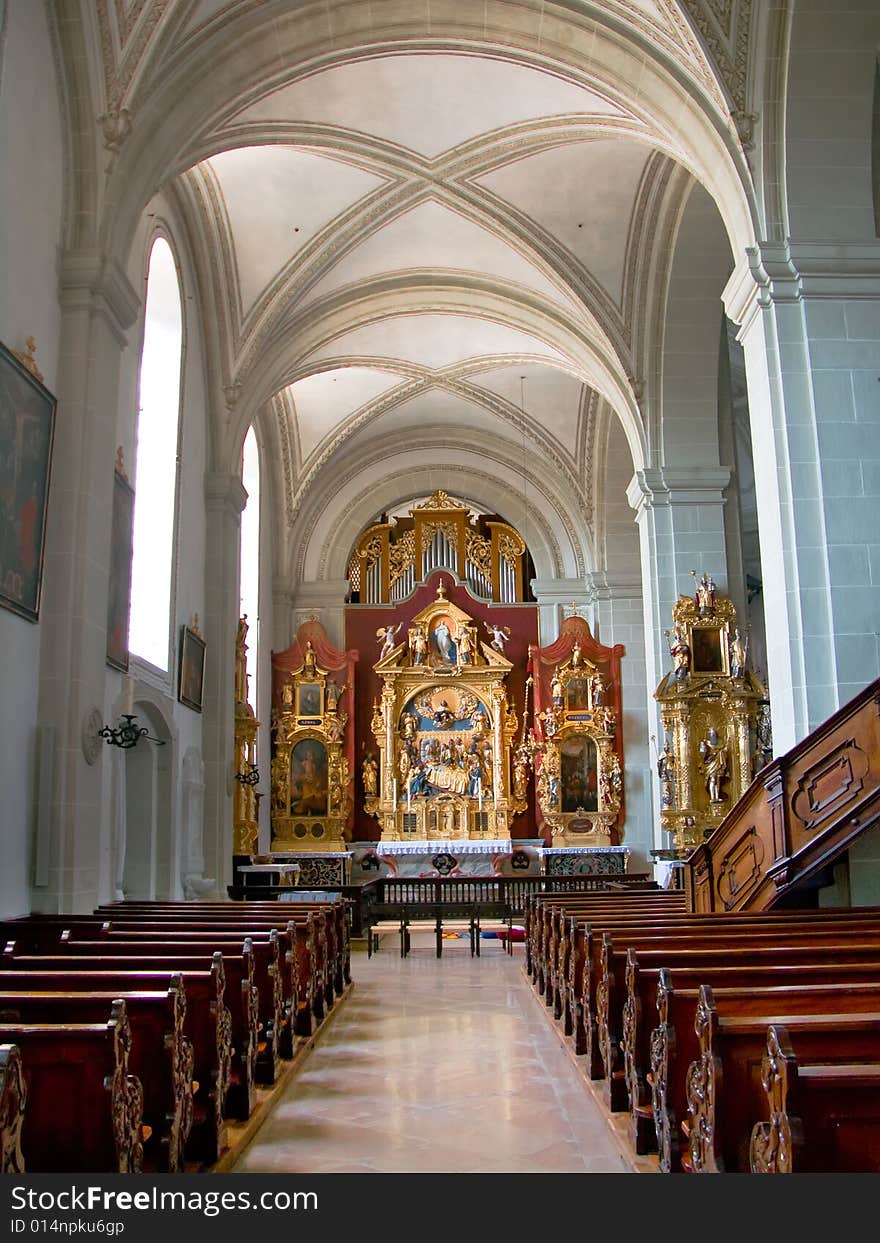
677,485
560,590
88,279
606,585
791,271
225,492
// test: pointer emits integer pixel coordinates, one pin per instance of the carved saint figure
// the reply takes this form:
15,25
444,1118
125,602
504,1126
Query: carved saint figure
443,715
465,643
557,690
597,689
577,655
704,592
738,651
500,635
680,651
371,776
310,657
714,764
666,773
442,637
334,693
418,645
387,634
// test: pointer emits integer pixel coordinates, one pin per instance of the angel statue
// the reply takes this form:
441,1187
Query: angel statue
500,635
388,635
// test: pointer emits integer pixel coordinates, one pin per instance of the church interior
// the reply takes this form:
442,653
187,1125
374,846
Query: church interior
440,559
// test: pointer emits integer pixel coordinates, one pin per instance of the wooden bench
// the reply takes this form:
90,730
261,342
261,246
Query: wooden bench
650,997
725,1097
161,1056
822,1118
802,946
208,1027
240,993
12,1105
83,1109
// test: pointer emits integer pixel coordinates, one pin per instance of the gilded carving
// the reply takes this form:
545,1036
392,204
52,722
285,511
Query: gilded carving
709,709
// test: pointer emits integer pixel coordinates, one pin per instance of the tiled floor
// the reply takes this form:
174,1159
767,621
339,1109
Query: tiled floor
442,1066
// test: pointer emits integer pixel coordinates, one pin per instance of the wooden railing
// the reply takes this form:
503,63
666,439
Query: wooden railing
511,891
801,812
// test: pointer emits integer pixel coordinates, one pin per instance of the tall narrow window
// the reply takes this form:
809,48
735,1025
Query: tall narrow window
250,556
156,460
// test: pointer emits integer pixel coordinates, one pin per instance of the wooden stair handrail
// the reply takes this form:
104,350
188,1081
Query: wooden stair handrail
801,811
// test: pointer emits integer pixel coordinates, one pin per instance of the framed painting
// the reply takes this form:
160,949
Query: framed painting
191,672
309,699
707,650
119,592
309,787
27,426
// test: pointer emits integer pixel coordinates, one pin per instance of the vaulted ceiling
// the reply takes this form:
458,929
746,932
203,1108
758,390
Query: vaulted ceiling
421,233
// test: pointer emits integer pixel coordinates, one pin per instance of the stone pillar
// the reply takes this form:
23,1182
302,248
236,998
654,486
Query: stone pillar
98,305
680,516
809,321
225,499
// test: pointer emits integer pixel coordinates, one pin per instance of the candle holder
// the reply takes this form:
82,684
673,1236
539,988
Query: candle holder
127,734
249,778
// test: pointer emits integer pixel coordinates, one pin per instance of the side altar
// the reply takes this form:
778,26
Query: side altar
445,730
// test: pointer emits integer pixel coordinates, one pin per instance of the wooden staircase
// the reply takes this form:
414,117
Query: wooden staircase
801,812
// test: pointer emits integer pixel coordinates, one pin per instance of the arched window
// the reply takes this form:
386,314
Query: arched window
250,556
156,460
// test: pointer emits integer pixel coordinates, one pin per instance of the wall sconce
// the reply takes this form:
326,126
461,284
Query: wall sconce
250,778
127,734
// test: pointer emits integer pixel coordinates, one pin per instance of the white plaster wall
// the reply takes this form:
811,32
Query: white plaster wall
30,227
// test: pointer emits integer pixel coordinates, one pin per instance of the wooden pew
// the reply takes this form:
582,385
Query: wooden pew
800,945
241,1000
597,1007
208,1027
12,1105
823,1118
301,961
333,918
322,962
648,990
83,1111
724,1091
266,948
161,1056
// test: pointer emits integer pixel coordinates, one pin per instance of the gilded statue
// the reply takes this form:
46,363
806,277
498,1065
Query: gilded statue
680,651
704,592
666,773
309,658
597,689
738,651
370,774
464,639
418,645
557,690
334,693
714,764
577,655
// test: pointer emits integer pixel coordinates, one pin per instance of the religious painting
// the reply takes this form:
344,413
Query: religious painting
576,695
707,654
580,784
308,778
119,585
309,699
442,641
191,674
27,424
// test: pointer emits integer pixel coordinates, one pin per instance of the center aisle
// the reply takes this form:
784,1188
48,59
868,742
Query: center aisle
436,1065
